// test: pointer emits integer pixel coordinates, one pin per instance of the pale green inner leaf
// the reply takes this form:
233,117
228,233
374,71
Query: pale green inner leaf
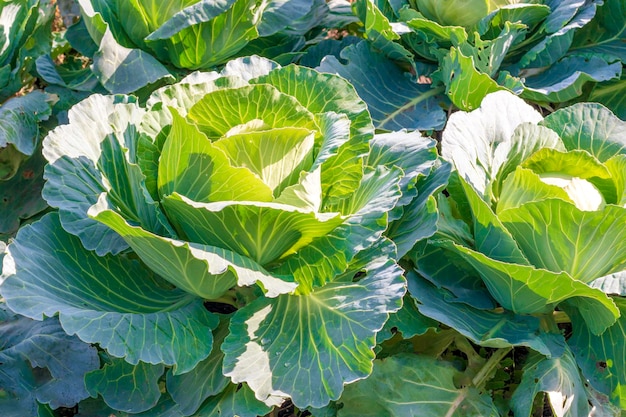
276,156
523,186
220,111
577,163
192,166
306,194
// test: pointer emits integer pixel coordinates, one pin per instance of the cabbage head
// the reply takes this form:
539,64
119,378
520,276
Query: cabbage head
531,238
547,202
261,191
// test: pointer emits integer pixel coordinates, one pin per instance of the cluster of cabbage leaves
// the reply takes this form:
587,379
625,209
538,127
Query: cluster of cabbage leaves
135,44
529,253
534,222
458,51
25,34
262,189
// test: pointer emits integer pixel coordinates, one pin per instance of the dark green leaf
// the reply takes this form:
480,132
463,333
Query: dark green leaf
20,197
564,80
395,101
112,300
483,327
308,346
40,363
20,118
123,70
602,358
190,389
610,94
605,33
126,387
234,401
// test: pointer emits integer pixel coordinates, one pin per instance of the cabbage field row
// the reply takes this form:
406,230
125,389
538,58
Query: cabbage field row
291,208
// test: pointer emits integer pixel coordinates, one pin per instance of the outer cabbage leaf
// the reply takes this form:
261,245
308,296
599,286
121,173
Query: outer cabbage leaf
120,66
408,321
21,164
395,101
484,327
74,152
611,284
202,270
70,75
26,34
524,289
465,85
605,33
20,118
490,236
123,70
308,346
602,358
316,53
234,401
126,387
206,391
381,32
165,407
564,80
20,197
560,26
27,345
454,275
590,127
113,301
610,95
560,379
190,389
420,216
279,14
413,385
326,257
415,214
222,35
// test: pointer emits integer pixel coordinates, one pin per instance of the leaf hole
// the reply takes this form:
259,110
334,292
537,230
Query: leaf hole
220,308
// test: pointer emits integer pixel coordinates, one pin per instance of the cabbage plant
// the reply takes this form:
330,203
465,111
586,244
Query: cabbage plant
25,34
139,43
556,51
533,228
230,236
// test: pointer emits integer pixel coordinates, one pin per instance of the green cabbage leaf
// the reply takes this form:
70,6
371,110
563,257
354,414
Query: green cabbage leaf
261,189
